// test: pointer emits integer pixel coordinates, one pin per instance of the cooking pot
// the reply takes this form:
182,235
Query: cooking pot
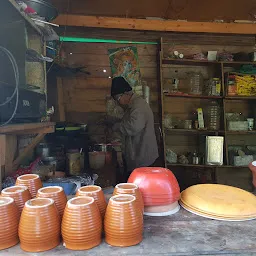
59,162
44,8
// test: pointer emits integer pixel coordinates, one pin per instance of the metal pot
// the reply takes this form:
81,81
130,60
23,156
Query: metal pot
43,150
59,162
43,8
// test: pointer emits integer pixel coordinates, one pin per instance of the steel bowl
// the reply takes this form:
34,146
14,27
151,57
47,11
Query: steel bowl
43,8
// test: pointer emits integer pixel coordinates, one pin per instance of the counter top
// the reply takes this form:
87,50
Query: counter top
180,234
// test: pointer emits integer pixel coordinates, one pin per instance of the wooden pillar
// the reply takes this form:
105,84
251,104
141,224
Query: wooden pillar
61,105
8,148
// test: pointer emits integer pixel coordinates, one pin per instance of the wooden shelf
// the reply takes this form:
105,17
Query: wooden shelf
192,96
240,97
28,128
241,132
204,62
192,131
189,62
231,63
25,17
205,166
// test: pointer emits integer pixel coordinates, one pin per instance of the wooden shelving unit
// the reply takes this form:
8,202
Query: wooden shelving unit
178,103
195,131
204,62
179,95
8,143
205,166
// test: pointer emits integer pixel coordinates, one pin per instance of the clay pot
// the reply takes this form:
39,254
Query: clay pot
123,222
157,185
252,167
39,228
131,189
9,221
81,224
32,181
98,195
57,194
20,194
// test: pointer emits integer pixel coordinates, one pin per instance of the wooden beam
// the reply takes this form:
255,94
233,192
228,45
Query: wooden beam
27,150
61,105
155,25
27,127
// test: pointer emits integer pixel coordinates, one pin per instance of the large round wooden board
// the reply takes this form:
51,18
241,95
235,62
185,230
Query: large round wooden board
220,200
214,217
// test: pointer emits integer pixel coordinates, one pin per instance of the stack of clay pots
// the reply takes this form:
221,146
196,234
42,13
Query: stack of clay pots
9,221
20,194
57,194
131,189
82,224
39,223
123,222
32,181
98,195
159,188
39,227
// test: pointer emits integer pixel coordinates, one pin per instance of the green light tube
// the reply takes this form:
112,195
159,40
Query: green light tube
95,40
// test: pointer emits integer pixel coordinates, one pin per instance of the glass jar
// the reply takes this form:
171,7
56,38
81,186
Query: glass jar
196,83
213,116
214,87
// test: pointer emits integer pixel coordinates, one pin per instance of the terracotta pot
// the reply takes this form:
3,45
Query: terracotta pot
131,189
252,167
20,194
39,228
32,181
157,185
123,222
98,195
9,221
81,224
57,194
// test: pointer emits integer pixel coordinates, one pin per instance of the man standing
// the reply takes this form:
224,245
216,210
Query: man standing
136,127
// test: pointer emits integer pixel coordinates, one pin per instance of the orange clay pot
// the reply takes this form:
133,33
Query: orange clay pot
252,167
123,222
20,194
32,181
9,221
158,185
57,194
39,228
81,224
131,189
98,195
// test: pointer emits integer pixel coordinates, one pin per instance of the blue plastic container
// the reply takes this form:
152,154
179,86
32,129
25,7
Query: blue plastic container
68,187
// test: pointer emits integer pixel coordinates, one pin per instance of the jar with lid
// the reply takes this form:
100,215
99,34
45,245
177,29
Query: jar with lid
214,87
196,83
213,116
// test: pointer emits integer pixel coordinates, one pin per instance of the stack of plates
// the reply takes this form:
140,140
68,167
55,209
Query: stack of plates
219,202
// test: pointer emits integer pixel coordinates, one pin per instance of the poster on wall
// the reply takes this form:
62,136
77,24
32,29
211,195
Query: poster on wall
125,62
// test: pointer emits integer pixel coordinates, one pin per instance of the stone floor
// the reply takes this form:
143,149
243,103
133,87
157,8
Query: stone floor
179,234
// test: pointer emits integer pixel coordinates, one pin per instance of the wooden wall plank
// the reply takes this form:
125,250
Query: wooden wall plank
85,59
102,48
154,25
154,36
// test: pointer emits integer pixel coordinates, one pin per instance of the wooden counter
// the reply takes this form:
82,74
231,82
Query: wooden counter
181,234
